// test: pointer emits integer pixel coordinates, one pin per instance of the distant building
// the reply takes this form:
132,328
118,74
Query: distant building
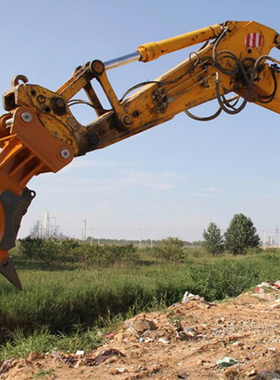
45,228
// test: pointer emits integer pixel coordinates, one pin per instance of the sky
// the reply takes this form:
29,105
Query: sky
172,180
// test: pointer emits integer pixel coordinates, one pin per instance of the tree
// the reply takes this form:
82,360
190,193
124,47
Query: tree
213,239
170,249
241,235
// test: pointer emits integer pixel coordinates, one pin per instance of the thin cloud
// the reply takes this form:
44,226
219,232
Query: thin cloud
87,163
160,181
208,192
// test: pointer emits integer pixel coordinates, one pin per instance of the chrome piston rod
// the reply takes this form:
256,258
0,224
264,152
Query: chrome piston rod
124,60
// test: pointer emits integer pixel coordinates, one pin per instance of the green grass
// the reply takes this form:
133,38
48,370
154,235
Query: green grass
67,309
43,341
41,374
60,300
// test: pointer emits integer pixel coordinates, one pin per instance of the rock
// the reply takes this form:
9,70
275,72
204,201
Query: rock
7,364
121,370
79,363
232,374
117,371
140,326
271,349
253,372
182,375
155,368
34,355
266,375
187,333
164,341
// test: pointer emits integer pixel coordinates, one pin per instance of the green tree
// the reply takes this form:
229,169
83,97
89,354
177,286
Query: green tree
241,235
170,249
213,239
29,247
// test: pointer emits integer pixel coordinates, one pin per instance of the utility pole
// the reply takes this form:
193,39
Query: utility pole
140,245
152,240
92,237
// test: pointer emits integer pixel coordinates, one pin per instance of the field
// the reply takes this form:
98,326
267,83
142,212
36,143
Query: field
70,305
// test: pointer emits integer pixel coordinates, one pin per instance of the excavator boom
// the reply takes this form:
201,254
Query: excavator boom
39,133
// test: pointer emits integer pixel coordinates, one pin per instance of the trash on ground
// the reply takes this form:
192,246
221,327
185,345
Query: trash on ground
103,356
189,296
164,341
265,285
226,362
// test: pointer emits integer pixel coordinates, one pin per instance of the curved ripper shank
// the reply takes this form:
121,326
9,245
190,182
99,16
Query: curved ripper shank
14,207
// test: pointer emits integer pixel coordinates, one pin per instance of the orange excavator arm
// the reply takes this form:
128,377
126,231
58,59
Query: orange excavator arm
39,133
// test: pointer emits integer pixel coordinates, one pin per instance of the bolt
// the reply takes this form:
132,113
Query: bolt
59,102
5,263
93,139
65,153
41,98
26,117
97,66
127,120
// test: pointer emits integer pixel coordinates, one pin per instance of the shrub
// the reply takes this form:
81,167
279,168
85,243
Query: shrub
170,249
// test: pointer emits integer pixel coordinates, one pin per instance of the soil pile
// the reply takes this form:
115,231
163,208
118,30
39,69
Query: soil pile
237,339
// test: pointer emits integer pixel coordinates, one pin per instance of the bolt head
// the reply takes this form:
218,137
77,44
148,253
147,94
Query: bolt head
41,98
127,120
97,66
65,153
26,117
60,103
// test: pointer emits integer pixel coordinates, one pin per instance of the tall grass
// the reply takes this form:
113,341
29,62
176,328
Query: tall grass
69,302
60,300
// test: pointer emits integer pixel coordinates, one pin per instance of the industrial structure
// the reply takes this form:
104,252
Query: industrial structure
45,227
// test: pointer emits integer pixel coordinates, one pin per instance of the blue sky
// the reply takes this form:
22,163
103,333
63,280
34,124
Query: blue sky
174,179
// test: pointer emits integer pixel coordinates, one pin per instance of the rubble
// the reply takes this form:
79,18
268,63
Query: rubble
236,339
140,326
266,375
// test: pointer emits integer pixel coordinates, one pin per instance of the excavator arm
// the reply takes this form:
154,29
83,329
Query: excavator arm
39,133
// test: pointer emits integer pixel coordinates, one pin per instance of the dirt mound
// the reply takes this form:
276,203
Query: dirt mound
237,339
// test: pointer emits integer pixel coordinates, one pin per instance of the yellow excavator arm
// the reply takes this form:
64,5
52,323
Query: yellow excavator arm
39,133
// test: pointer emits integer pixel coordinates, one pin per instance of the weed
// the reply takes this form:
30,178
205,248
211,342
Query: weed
47,372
